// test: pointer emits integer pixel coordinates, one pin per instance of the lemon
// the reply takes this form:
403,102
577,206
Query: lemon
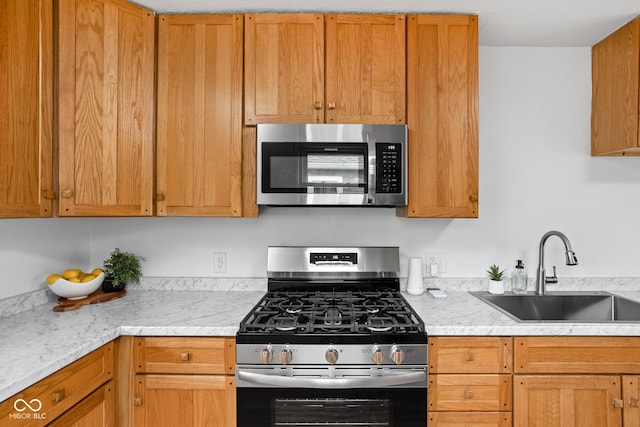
74,280
52,278
88,278
96,271
70,274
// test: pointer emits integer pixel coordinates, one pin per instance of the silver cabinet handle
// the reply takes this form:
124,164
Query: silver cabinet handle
366,382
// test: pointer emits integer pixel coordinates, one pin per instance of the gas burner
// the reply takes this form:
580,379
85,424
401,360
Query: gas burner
284,324
374,305
291,305
380,324
332,316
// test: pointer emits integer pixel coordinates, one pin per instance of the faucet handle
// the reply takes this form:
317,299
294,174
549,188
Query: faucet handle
552,279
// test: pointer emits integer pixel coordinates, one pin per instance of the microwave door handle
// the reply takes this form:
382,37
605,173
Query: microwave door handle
360,382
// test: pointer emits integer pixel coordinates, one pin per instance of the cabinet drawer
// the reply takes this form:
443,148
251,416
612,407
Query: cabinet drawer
457,355
587,355
475,419
61,390
469,393
185,355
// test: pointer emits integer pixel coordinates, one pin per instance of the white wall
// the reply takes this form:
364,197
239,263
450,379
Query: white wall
536,174
31,249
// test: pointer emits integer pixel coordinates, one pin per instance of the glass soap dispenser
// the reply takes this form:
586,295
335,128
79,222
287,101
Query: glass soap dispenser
519,279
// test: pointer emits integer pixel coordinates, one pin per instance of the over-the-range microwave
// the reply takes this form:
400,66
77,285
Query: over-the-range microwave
332,165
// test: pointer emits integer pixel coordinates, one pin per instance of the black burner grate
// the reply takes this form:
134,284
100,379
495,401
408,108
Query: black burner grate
332,312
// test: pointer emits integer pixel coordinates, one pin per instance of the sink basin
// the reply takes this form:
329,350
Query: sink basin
589,307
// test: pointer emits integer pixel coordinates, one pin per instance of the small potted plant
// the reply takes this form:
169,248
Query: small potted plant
120,268
495,280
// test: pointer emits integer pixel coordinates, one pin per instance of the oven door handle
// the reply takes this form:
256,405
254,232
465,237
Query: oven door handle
359,382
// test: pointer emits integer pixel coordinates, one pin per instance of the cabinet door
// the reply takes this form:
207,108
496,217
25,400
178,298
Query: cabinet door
558,401
26,80
365,61
105,104
199,138
631,397
97,410
615,101
284,68
185,400
442,100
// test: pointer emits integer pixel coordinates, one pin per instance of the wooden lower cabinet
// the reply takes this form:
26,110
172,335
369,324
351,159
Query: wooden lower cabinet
469,419
576,381
179,381
96,410
67,394
470,381
567,400
631,400
185,400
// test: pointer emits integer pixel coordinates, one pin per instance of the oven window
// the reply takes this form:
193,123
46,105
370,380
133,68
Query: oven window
338,170
332,412
285,172
314,168
384,407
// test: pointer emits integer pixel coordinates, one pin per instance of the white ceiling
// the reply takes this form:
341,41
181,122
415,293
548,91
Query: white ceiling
560,23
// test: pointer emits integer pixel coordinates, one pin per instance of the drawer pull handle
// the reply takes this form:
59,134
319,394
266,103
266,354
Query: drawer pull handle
331,105
137,401
57,395
185,356
618,403
468,394
468,356
317,105
634,402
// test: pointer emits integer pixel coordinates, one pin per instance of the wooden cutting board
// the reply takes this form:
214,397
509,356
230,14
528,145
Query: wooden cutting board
95,298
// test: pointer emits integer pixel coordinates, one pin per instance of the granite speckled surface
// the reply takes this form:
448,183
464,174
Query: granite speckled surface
37,341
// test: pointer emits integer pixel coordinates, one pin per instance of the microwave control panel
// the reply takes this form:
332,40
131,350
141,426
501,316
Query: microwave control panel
388,167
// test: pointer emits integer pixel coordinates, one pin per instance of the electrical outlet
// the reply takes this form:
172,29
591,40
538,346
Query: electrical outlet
439,258
219,262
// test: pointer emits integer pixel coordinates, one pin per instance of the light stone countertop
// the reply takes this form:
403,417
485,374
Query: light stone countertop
37,342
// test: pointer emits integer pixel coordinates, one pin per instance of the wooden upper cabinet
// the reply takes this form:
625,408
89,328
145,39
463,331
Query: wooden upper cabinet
615,101
365,66
199,137
106,61
291,77
26,81
442,116
284,68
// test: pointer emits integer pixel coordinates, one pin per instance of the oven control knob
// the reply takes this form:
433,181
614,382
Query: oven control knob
397,355
266,355
331,355
377,355
286,355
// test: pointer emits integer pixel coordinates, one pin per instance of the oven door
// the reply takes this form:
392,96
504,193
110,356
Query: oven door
349,398
313,173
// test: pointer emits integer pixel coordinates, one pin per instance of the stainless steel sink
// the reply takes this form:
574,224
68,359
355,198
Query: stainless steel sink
589,307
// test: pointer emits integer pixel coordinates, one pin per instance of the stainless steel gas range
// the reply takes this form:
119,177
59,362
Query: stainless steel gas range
333,343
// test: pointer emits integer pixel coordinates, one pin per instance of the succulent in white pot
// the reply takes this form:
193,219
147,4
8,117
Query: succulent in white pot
495,279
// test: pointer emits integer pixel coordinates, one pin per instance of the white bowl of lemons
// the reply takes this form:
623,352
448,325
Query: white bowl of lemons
74,283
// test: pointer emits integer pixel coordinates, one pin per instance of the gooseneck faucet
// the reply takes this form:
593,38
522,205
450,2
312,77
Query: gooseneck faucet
541,277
